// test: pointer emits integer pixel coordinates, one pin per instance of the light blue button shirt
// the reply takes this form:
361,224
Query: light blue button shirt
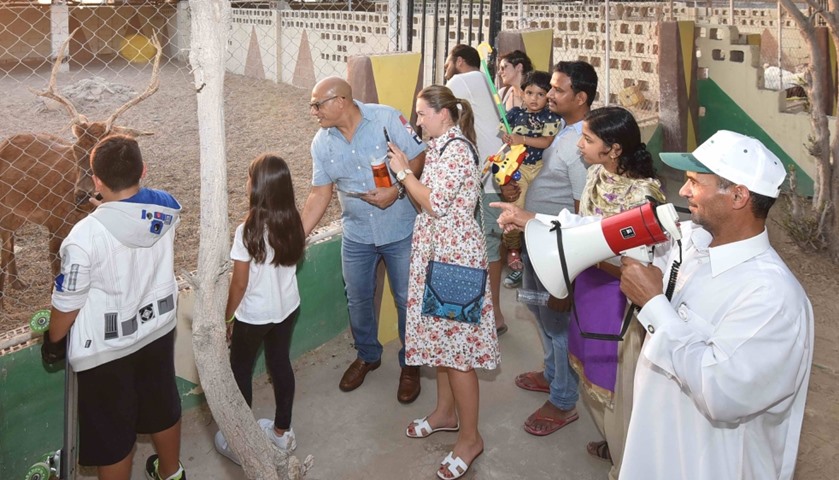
347,165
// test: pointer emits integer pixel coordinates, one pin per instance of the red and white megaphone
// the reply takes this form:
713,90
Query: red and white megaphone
629,233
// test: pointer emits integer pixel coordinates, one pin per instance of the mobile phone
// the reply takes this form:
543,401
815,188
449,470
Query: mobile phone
387,138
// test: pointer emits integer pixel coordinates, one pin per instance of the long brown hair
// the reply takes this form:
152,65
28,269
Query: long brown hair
272,213
439,97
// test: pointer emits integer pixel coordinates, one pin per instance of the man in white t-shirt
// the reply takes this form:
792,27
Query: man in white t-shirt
466,81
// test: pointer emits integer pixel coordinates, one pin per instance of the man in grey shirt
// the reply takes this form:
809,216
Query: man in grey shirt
558,185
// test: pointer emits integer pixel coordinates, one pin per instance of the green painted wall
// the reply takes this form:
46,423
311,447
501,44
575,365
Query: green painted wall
32,399
723,113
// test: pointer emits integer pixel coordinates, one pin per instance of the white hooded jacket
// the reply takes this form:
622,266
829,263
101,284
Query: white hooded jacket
117,269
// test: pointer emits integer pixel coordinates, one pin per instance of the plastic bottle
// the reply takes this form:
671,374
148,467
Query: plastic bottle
532,297
381,175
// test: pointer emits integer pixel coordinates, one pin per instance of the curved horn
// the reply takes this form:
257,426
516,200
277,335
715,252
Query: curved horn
51,92
154,84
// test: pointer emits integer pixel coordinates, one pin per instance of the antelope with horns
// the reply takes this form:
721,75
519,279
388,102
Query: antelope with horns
46,180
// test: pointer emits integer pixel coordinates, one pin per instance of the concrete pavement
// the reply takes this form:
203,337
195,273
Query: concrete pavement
360,434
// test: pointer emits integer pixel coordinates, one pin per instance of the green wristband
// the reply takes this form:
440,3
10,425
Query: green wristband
230,320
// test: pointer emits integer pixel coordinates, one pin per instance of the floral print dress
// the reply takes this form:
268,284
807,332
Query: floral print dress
454,237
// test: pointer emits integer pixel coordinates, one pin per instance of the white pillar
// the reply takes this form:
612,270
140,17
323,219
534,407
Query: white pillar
181,40
392,25
59,30
407,19
780,46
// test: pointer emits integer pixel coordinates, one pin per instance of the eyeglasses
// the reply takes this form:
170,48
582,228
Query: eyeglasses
317,105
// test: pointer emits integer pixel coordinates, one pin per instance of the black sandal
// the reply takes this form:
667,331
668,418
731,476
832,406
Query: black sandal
599,450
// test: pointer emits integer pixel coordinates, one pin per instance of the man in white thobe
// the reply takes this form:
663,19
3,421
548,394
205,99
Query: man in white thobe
723,374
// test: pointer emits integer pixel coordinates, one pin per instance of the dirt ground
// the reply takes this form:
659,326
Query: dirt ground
263,116
818,455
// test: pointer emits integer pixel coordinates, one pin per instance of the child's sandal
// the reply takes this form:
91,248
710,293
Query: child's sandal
514,260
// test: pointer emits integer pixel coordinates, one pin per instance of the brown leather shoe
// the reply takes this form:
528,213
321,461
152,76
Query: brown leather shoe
409,385
354,376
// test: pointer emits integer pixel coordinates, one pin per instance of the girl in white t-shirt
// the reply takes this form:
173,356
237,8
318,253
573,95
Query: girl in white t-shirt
263,301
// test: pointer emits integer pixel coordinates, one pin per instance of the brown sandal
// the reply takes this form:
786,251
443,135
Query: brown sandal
599,450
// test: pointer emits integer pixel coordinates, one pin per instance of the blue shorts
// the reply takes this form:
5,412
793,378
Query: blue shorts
124,397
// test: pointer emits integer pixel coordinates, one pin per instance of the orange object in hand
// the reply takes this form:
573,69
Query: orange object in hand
381,175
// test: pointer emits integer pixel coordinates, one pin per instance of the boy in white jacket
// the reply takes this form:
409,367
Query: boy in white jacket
116,296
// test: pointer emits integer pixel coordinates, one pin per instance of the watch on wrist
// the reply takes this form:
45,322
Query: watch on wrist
402,174
400,191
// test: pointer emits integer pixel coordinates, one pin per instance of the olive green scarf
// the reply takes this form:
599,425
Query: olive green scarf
607,194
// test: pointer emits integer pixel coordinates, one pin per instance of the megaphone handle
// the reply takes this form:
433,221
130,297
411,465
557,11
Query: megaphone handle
570,287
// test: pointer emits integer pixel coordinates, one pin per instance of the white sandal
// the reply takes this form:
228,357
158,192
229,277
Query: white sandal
452,464
423,429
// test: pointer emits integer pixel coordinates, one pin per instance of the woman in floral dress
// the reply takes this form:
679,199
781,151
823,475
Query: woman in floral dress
447,230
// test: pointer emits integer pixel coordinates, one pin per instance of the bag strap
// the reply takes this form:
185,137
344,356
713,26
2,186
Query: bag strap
480,206
465,140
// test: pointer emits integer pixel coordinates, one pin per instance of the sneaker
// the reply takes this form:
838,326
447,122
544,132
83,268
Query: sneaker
223,448
513,280
286,442
151,470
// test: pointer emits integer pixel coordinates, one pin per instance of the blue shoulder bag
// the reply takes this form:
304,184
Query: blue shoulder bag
455,292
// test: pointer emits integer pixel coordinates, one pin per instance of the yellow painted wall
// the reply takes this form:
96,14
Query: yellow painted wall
538,44
388,326
395,76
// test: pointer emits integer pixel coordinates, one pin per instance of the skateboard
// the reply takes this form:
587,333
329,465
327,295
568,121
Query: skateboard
58,464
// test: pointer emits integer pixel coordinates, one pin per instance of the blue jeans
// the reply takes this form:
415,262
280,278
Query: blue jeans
359,261
553,329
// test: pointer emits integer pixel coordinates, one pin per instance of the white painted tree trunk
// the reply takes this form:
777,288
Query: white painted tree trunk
260,459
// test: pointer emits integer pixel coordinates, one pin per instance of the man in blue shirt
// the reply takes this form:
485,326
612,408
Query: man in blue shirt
378,222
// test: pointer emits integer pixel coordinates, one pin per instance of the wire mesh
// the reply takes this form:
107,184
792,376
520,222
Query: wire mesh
277,51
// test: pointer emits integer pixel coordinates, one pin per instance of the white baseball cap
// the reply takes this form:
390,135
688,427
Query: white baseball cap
736,158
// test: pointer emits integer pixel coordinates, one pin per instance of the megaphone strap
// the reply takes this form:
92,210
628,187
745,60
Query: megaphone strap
674,273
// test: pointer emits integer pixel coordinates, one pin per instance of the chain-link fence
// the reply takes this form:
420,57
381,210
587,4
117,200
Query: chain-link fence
44,175
277,51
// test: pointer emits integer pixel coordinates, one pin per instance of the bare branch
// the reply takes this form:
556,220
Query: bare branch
831,16
154,84
792,10
815,5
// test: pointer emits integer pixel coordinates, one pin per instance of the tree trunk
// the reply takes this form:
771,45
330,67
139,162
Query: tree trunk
260,460
820,148
831,221
830,14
